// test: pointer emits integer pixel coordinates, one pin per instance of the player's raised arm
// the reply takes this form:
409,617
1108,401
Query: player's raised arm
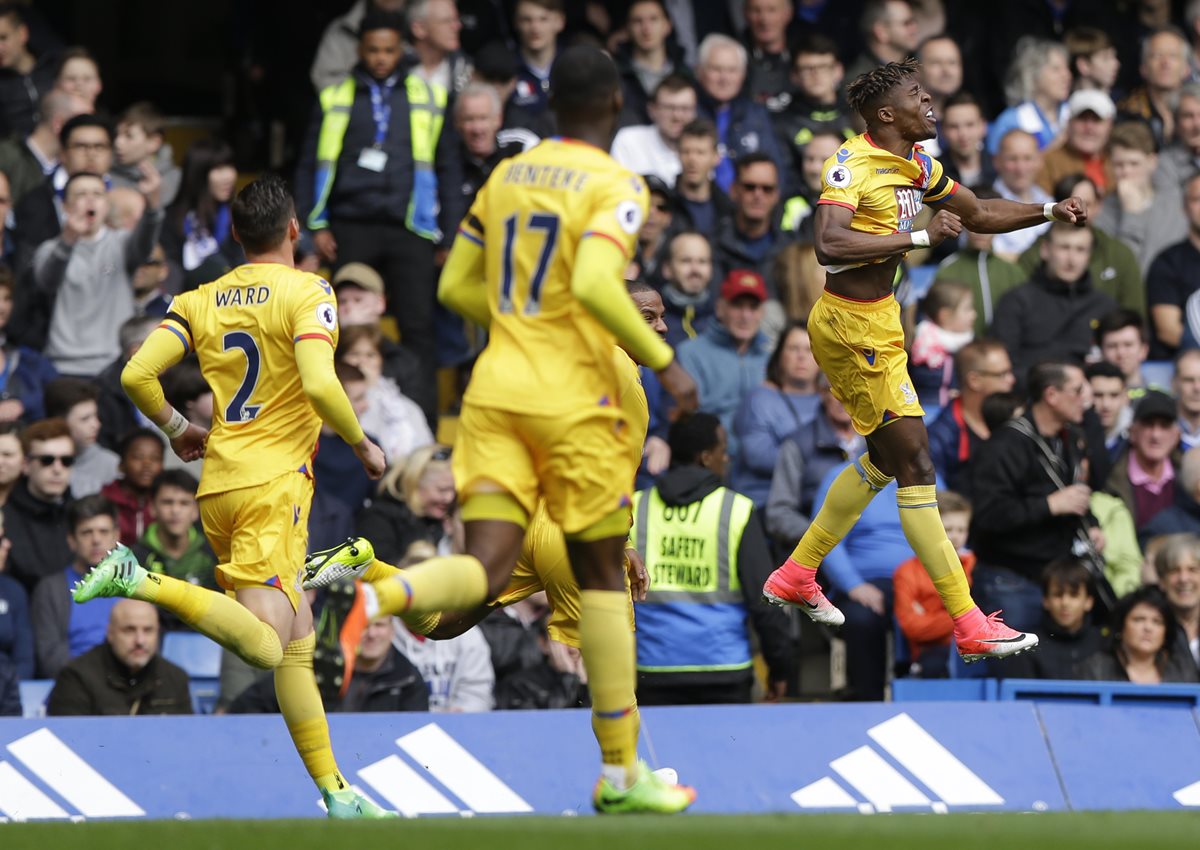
166,346
1002,216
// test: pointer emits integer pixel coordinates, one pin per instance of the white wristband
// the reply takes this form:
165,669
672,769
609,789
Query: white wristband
1048,211
176,425
920,238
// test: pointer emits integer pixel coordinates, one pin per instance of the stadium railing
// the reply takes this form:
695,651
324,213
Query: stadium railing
1044,690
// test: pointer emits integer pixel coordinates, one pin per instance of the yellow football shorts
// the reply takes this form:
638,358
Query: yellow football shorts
859,345
544,565
579,463
260,533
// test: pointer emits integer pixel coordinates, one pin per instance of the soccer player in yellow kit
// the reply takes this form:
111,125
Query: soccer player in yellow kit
874,187
265,334
539,261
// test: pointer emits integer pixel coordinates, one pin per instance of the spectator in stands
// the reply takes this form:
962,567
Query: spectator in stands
1177,161
1094,61
537,24
532,671
822,144
654,148
646,59
10,691
198,234
63,631
889,34
942,77
1018,161
1110,400
496,66
1145,648
35,519
652,237
79,74
1068,637
1185,386
1143,475
16,626
173,544
1184,515
390,416
1177,565
141,454
150,296
187,391
693,642
341,488
1173,277
1164,70
12,460
24,372
1052,315
478,115
24,78
767,24
84,275
817,103
28,161
1031,502
1143,216
75,402
730,358
983,368
1085,144
987,276
415,503
750,237
140,139
743,126
702,200
1037,85
123,675
821,443
385,192
948,325
338,50
118,416
1121,338
964,157
770,412
919,610
687,273
433,26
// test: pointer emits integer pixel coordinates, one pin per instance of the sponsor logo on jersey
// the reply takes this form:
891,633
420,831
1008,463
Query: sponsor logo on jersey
908,206
843,155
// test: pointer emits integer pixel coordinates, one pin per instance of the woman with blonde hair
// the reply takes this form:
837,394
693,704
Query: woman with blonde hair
415,502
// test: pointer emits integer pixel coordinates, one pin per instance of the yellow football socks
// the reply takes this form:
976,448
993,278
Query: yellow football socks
378,571
923,528
608,653
848,496
216,615
300,705
452,583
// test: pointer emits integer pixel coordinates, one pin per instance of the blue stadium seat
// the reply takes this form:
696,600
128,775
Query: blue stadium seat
34,693
943,690
1101,693
1159,373
200,658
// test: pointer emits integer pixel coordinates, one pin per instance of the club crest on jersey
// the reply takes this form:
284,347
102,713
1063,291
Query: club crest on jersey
909,203
838,176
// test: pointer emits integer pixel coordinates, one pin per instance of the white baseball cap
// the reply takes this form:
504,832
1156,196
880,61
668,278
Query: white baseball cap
1091,100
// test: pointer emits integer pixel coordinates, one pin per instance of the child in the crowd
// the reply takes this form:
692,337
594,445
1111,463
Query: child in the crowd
140,139
949,324
141,461
1067,634
150,296
919,609
76,401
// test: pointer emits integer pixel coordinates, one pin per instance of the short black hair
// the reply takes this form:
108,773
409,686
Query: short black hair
183,383
961,98
1043,376
90,507
1104,369
633,287
131,437
1118,320
661,4
1152,596
690,436
63,394
13,11
179,478
754,158
582,82
495,63
83,120
261,213
998,408
868,91
379,20
1071,573
700,128
815,43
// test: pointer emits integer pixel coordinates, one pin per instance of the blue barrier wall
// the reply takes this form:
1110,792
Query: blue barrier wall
998,756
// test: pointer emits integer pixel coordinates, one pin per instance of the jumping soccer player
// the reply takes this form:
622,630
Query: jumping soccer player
265,334
874,187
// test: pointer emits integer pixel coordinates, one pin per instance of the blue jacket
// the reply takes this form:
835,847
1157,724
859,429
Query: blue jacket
747,129
804,459
27,381
723,376
765,419
951,445
16,628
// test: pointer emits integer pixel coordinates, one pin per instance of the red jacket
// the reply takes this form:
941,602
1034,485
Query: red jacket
919,608
133,511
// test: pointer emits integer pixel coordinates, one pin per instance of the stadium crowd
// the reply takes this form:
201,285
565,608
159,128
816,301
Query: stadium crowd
1059,367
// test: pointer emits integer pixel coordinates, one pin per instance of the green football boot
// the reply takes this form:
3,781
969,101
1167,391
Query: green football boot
650,793
117,574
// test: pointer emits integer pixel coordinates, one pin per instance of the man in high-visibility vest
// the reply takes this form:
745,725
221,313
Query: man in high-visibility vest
706,554
379,178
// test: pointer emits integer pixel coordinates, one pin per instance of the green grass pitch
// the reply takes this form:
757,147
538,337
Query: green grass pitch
1057,831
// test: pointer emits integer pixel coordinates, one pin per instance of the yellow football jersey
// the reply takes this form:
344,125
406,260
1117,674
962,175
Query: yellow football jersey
631,395
244,328
546,353
886,192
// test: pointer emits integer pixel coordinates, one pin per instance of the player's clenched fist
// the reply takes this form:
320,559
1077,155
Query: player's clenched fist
944,225
1073,210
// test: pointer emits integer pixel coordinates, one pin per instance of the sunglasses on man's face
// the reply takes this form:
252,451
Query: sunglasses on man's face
48,460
